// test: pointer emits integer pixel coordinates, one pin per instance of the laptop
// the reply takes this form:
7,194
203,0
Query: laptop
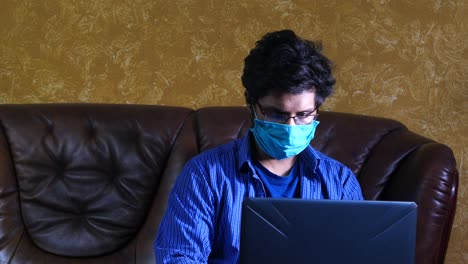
278,230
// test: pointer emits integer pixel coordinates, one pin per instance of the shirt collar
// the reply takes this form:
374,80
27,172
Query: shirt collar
244,158
310,157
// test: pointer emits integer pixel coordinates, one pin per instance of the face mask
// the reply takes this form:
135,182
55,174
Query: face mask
282,141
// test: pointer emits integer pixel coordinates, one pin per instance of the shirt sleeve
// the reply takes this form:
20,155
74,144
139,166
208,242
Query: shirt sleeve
185,234
351,188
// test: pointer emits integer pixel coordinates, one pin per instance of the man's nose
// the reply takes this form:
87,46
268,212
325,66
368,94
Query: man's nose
291,121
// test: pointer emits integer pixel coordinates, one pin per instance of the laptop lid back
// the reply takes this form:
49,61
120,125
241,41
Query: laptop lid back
326,231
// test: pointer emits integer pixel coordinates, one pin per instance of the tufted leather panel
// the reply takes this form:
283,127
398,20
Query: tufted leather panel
86,176
89,183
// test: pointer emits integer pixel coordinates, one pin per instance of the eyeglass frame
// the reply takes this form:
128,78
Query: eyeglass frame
287,117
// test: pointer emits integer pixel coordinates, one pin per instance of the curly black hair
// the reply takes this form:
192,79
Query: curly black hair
282,62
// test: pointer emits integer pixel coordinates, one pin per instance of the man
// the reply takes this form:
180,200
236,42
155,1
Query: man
286,80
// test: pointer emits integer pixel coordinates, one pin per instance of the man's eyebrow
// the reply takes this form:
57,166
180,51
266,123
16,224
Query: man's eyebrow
311,110
275,109
280,111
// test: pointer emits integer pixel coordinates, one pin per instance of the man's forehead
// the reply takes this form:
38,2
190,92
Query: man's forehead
289,102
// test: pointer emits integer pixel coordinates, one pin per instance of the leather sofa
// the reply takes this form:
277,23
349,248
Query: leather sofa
88,183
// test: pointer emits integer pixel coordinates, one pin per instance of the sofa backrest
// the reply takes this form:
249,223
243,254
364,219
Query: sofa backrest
88,183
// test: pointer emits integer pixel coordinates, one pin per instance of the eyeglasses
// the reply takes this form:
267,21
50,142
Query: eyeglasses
301,118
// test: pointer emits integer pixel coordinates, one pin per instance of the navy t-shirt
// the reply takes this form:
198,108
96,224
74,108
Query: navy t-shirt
279,186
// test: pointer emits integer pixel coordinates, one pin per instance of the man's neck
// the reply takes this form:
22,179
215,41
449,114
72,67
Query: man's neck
278,167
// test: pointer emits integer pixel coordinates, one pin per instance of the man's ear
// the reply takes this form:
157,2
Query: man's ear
251,108
249,102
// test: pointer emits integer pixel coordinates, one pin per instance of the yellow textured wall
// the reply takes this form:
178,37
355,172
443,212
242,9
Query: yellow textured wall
405,59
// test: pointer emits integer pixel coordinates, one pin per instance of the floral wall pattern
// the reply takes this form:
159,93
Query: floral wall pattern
403,59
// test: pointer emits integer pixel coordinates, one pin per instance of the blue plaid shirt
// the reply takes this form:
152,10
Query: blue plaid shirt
202,221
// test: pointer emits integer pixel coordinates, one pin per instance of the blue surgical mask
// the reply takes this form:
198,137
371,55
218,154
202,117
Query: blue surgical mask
281,141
